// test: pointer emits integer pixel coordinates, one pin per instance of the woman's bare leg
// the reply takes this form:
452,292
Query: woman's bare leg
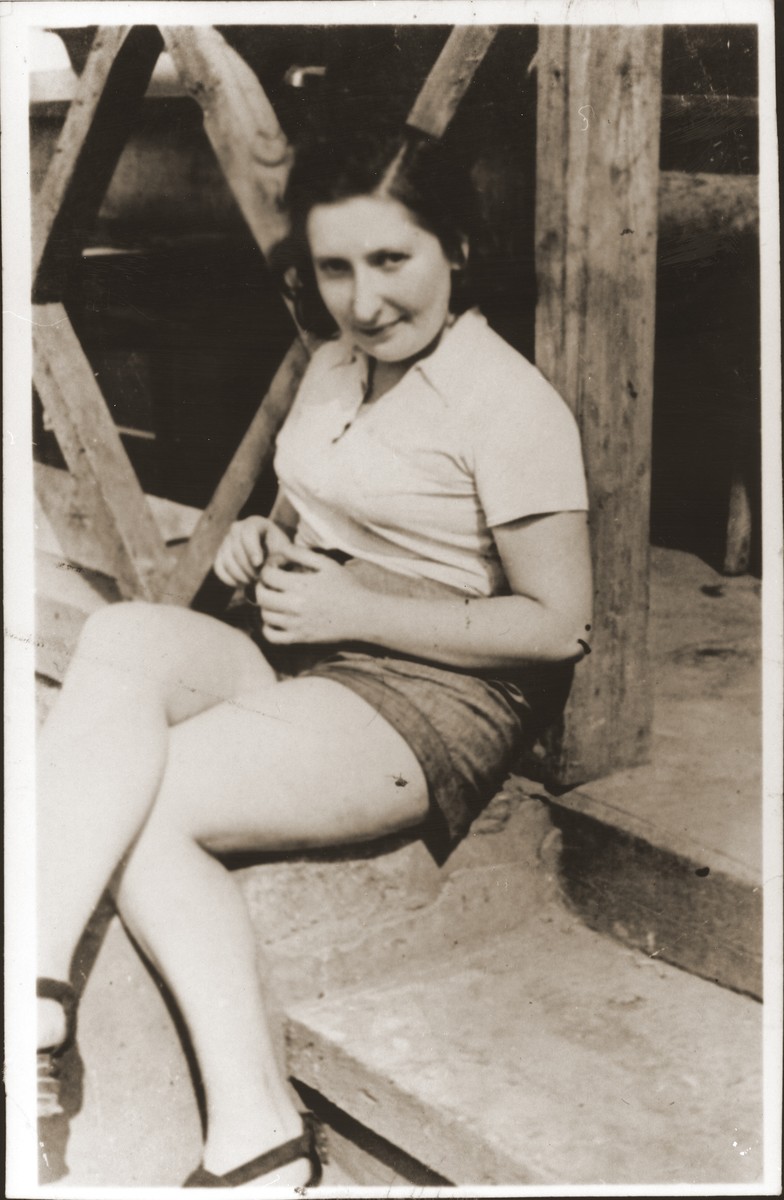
305,763
138,669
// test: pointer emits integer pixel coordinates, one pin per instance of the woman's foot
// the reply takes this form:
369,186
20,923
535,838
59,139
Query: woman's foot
56,1032
294,1163
56,1014
52,1024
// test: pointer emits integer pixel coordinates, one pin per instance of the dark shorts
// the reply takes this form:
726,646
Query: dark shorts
466,731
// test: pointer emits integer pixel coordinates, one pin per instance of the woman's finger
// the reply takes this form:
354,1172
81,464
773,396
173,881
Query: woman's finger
276,578
226,570
304,557
251,545
276,636
278,603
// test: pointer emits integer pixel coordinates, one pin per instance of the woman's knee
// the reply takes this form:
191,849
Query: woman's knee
129,645
117,631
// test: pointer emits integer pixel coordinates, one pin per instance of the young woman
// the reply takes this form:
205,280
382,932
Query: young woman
426,561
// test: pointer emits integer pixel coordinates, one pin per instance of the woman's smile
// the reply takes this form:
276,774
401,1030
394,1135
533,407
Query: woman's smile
384,279
378,331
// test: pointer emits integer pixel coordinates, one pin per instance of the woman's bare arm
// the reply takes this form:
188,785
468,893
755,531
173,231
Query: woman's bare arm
547,619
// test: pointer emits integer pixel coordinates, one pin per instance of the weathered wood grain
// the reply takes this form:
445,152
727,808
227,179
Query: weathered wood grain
71,519
64,522
599,97
65,598
100,118
689,204
241,124
450,77
250,459
91,446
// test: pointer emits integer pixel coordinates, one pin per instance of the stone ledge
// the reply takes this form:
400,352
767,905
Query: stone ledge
668,902
355,914
547,1056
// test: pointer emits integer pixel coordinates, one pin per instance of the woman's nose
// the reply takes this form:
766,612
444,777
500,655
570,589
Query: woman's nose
366,301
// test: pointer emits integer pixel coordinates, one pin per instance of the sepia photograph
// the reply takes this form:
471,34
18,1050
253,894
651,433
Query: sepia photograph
393,593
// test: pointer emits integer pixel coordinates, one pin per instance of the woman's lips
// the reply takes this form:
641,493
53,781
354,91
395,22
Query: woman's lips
377,330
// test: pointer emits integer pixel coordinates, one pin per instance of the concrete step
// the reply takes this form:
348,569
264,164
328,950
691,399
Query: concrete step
547,1056
668,857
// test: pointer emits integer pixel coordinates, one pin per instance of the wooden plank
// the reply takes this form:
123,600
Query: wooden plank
65,598
64,528
709,109
599,94
725,205
250,458
450,77
72,520
99,120
93,450
240,122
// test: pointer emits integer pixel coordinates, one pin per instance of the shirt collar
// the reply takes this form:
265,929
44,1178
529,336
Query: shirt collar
447,364
450,361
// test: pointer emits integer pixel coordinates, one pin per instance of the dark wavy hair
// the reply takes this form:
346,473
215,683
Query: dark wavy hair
364,160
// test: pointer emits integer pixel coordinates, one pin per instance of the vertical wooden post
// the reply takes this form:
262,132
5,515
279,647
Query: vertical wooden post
599,102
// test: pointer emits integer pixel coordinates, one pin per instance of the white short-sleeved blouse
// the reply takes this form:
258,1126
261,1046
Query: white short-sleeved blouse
472,437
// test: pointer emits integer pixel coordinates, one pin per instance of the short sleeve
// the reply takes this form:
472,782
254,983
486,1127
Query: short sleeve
527,457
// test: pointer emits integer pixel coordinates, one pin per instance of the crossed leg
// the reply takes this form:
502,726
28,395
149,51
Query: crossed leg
171,741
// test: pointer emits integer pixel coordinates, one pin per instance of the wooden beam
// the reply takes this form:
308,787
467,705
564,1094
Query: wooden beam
100,118
91,446
252,455
716,206
64,598
450,77
64,526
240,122
599,95
72,520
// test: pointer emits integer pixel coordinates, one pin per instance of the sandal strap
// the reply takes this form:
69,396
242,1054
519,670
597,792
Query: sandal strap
65,995
303,1146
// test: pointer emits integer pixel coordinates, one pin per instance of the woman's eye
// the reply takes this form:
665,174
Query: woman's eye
332,267
390,258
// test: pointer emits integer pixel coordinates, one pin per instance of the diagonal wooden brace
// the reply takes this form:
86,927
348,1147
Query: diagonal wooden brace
240,122
450,77
96,129
94,452
251,457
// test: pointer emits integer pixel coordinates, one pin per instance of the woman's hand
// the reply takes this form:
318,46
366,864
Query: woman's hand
246,547
316,601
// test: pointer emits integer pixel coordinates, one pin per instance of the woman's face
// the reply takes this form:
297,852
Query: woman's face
385,280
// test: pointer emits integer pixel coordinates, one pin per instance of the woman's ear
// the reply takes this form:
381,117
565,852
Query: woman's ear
459,259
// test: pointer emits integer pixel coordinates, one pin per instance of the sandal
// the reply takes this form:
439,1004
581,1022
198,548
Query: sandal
48,1067
304,1146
